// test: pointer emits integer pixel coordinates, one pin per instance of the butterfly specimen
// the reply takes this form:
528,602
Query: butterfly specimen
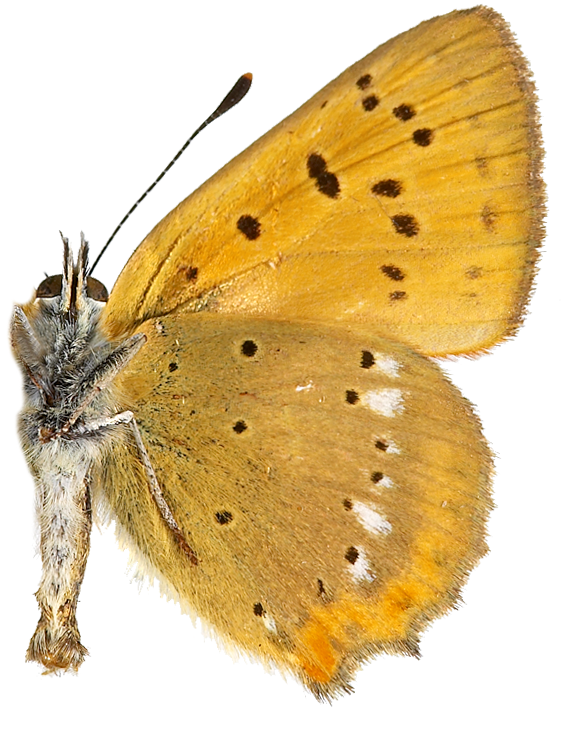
253,403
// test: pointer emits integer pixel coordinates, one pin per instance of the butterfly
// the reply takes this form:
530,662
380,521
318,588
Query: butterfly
253,403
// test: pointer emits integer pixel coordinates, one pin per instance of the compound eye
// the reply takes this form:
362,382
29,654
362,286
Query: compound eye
96,290
50,287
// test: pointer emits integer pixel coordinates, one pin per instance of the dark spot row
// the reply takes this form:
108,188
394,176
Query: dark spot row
351,555
404,112
367,360
328,184
249,348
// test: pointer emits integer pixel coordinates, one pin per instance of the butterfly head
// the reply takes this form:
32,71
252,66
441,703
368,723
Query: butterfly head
73,287
57,330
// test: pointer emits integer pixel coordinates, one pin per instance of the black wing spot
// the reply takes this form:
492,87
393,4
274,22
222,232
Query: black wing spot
423,137
397,295
377,476
172,367
347,504
370,102
367,359
364,82
404,112
393,272
381,445
406,225
352,554
258,609
249,348
326,182
223,517
387,188
239,427
250,226
351,397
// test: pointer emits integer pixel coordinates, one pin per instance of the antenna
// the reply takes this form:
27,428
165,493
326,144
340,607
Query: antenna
236,94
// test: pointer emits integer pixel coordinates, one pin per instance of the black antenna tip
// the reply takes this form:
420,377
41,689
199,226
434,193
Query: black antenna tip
235,95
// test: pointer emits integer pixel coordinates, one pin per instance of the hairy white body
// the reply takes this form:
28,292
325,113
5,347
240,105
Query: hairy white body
70,413
64,512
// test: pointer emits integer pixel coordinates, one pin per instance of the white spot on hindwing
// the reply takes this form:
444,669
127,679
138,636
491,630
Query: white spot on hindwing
390,446
361,569
387,401
370,519
269,623
387,364
386,482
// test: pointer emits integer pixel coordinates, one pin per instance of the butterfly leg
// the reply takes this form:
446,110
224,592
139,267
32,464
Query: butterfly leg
128,418
99,380
103,376
157,495
28,352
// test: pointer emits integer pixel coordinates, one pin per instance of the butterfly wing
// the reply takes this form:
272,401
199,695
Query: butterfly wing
300,430
405,195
